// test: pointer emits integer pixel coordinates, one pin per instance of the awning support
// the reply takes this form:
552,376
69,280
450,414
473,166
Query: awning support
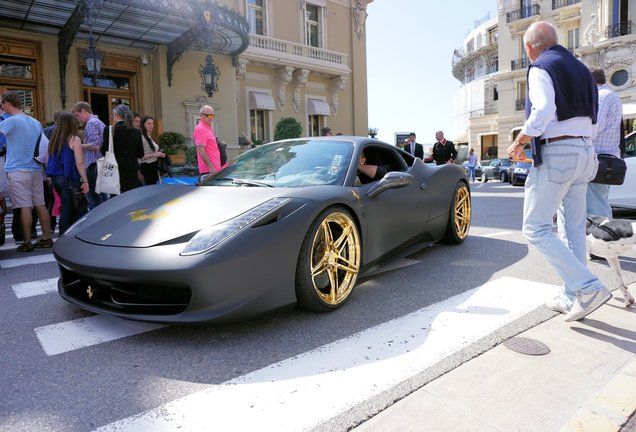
65,41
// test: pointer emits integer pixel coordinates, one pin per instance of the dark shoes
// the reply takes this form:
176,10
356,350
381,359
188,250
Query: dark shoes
25,247
43,244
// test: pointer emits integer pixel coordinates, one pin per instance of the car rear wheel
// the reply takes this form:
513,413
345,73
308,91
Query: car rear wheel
484,177
329,262
460,214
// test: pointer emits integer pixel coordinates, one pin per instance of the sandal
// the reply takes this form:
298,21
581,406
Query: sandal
25,247
41,244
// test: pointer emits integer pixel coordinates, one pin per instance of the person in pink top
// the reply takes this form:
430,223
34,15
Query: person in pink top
208,153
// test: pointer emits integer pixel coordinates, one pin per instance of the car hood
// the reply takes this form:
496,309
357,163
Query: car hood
152,215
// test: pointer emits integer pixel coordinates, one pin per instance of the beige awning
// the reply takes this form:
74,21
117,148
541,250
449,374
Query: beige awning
318,107
261,101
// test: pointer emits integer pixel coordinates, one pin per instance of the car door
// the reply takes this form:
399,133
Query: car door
396,216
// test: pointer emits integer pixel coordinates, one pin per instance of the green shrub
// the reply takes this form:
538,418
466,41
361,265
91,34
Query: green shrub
171,142
191,155
287,127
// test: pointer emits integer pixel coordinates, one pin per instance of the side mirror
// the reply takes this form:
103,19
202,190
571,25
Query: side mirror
391,180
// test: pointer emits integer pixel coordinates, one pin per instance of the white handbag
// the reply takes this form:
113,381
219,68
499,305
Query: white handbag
107,170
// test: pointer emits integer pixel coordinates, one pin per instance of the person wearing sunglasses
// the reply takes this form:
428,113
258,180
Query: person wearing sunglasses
208,154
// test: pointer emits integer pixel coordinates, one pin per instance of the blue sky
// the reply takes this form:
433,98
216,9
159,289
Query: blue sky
410,47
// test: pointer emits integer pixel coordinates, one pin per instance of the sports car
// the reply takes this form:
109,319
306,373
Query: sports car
290,222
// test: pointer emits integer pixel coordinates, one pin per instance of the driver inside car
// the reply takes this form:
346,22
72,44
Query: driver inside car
369,172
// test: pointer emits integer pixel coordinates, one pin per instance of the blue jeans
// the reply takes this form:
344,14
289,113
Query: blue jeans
94,199
560,186
598,200
471,172
65,189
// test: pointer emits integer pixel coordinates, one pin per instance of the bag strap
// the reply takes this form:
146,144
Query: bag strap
605,228
111,131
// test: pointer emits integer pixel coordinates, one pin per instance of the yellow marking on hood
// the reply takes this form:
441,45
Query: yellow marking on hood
140,215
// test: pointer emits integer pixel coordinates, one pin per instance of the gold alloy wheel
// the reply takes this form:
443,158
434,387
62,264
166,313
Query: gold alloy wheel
335,258
462,211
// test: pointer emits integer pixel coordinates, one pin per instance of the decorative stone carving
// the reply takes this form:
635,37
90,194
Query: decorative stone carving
241,70
285,75
300,80
337,85
592,33
359,16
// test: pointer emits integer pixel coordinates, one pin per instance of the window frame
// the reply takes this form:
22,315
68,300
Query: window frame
319,24
249,9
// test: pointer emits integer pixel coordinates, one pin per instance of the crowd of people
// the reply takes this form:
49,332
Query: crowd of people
49,173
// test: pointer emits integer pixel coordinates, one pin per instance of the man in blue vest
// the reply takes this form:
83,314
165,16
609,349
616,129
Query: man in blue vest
561,110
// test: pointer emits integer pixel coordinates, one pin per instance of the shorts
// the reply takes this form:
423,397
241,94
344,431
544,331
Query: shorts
26,189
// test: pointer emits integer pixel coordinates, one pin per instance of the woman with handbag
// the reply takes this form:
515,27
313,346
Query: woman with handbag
127,146
148,164
65,167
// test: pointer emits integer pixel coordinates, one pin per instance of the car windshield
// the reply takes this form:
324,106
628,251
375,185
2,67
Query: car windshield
296,163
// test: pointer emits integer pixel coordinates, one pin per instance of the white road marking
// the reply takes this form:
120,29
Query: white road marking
35,288
303,391
495,234
27,260
76,334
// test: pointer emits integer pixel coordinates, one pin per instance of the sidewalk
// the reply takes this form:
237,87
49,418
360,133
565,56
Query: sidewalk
586,383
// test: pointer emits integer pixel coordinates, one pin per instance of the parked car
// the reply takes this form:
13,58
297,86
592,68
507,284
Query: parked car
172,254
624,196
478,168
518,172
497,169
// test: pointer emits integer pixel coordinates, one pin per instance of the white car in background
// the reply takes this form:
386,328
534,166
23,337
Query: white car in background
624,196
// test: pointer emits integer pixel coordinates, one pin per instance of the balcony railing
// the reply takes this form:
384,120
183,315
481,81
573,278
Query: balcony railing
520,105
557,4
521,63
523,13
619,29
277,46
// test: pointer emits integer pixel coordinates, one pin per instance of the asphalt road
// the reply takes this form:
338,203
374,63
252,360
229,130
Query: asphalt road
93,385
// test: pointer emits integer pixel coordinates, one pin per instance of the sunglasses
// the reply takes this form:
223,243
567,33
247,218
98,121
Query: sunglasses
210,116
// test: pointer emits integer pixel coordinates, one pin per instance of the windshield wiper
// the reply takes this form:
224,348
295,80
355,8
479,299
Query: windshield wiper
250,183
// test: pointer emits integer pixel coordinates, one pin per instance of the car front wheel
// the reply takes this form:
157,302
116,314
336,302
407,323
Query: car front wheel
484,177
503,177
460,215
329,262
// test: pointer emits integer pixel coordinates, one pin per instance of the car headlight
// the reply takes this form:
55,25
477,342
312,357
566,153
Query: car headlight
520,171
209,237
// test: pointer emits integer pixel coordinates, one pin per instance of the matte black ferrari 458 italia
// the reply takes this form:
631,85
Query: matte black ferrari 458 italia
286,223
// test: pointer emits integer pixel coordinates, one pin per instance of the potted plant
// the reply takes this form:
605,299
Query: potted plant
174,144
287,127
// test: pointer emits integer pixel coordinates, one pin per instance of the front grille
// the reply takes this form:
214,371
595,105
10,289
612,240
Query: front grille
133,298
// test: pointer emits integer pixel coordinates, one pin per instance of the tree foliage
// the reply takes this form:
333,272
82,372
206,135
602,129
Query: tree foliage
287,127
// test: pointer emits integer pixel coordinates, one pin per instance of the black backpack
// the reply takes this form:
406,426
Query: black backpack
222,151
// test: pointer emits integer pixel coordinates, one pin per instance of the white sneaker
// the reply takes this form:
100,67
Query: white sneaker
585,304
556,305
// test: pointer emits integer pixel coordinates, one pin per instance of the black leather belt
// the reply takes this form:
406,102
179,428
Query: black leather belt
558,138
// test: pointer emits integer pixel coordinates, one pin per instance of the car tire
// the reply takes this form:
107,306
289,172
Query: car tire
460,215
484,177
503,177
329,261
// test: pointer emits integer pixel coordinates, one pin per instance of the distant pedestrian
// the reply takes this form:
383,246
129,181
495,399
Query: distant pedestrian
326,131
66,167
148,164
91,144
412,147
127,146
24,173
443,150
562,103
208,154
472,164
607,139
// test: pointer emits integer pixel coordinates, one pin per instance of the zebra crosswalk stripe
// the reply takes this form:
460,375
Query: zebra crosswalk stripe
35,288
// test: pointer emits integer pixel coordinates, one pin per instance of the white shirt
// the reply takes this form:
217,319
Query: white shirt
543,119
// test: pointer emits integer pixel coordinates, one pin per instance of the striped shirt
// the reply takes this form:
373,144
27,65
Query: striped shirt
607,137
93,135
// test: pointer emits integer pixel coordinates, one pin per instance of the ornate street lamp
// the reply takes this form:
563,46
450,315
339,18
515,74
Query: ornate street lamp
93,58
209,76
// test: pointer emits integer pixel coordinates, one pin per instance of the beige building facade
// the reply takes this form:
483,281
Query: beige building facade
285,58
598,32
